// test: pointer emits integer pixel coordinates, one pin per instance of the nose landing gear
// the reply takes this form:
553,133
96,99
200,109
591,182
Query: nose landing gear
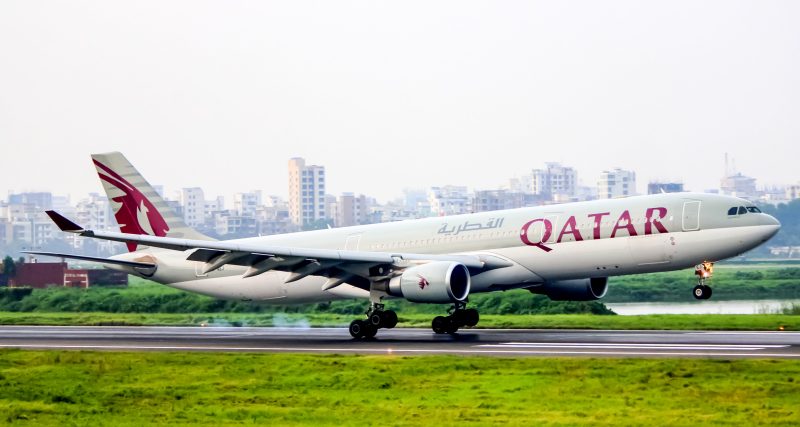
703,272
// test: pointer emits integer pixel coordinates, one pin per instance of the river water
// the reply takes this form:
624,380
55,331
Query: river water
764,306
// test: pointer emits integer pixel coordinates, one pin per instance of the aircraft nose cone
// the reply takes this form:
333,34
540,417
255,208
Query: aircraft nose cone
771,226
771,220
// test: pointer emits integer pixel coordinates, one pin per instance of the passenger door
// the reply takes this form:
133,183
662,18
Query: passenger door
691,216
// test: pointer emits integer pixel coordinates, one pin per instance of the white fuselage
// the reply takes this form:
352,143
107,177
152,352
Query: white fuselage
546,243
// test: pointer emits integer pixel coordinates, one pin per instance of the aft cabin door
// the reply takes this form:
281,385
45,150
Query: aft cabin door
691,216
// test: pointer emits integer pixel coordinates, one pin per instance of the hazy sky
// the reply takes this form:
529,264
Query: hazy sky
388,95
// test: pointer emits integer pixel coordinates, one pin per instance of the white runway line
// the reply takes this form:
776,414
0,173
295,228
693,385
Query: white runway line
389,351
767,333
636,346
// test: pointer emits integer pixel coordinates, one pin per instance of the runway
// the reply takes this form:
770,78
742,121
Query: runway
401,341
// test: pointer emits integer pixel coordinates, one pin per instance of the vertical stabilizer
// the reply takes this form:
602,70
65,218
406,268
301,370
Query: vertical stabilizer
137,207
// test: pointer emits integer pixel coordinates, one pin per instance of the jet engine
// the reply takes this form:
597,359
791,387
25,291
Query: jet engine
435,282
573,290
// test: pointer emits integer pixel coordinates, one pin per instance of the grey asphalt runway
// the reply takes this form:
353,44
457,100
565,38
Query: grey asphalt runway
487,342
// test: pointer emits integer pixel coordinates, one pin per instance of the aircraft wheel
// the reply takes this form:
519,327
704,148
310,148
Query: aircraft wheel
439,324
471,317
389,320
702,292
370,331
358,329
376,319
452,325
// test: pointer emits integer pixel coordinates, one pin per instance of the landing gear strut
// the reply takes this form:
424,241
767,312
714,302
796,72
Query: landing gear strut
377,318
703,271
459,317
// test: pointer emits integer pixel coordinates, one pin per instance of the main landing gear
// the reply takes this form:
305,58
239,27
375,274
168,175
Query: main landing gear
703,272
377,318
459,317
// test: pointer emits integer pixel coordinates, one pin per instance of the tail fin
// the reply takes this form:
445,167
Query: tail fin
137,207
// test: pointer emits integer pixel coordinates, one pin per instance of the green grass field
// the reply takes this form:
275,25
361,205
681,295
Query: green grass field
133,389
745,322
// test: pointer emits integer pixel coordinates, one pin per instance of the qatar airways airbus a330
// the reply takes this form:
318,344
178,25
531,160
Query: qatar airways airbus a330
565,251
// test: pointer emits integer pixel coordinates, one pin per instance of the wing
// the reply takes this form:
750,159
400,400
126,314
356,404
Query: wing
339,266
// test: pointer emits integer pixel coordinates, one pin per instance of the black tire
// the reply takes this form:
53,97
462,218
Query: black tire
376,319
357,328
370,331
708,292
458,317
439,324
452,324
700,292
470,317
389,319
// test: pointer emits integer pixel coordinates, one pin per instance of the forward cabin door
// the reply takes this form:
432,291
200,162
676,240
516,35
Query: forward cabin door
691,215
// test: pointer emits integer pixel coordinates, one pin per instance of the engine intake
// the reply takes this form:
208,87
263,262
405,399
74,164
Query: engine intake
435,282
573,290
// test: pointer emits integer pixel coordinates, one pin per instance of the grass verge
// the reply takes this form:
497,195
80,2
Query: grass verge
743,322
132,389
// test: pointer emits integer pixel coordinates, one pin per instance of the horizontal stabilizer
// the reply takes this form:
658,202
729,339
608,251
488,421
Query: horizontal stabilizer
132,264
63,223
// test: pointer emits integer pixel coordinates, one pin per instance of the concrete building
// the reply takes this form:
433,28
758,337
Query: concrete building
351,210
793,192
273,217
616,183
42,200
495,200
94,213
306,192
246,204
230,223
664,187
193,202
739,185
554,182
449,200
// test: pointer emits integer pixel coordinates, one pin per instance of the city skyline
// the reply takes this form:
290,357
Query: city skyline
309,206
394,96
229,195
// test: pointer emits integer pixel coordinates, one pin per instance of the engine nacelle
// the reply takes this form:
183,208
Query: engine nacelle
435,282
573,290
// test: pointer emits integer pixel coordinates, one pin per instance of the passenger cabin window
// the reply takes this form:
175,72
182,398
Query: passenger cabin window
742,210
753,209
733,210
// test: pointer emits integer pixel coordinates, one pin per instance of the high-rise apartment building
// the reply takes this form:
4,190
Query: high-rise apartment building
616,183
351,210
246,204
194,206
555,182
449,200
306,192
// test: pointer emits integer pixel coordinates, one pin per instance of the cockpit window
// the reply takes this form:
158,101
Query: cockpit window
753,209
732,211
742,210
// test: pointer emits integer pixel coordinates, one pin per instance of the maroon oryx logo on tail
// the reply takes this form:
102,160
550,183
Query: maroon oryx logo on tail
423,282
136,214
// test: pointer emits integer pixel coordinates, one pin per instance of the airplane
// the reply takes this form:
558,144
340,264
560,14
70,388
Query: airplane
565,251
